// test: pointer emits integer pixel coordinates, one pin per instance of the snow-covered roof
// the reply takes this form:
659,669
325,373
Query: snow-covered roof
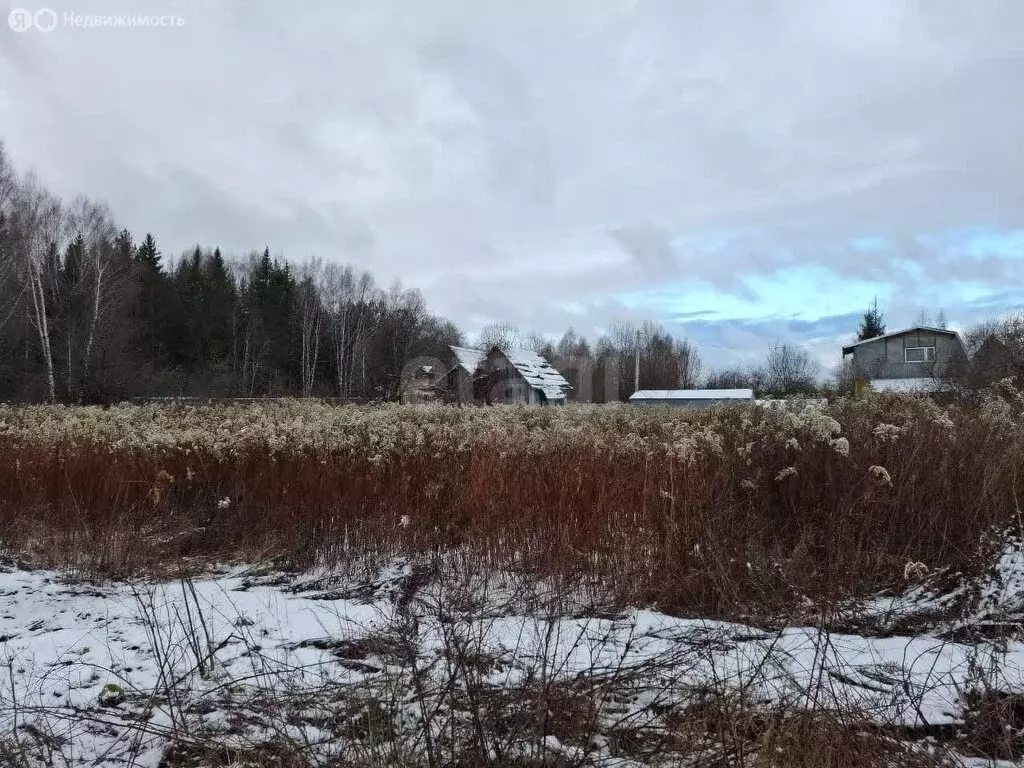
920,385
693,394
468,359
917,328
538,372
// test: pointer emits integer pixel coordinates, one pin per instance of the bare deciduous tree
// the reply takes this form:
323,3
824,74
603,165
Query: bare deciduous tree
508,336
8,179
94,223
345,293
39,226
10,297
311,317
790,370
665,362
996,351
928,320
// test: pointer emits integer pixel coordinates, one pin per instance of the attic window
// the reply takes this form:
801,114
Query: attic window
919,354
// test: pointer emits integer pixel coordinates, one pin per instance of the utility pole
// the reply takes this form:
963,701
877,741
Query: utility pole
636,370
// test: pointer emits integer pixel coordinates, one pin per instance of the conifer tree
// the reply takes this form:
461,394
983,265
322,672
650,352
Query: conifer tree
872,324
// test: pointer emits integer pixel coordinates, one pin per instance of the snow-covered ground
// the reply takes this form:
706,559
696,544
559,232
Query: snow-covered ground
110,675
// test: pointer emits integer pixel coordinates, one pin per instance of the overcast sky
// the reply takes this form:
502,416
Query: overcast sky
743,171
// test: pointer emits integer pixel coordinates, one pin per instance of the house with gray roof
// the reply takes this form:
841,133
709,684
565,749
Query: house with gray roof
914,360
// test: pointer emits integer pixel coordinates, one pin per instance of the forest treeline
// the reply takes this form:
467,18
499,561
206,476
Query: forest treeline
91,314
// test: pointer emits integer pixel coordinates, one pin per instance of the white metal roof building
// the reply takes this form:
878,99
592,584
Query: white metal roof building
522,376
691,398
468,359
538,373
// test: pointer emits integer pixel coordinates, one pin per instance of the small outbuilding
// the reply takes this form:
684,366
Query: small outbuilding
463,365
421,386
510,376
691,399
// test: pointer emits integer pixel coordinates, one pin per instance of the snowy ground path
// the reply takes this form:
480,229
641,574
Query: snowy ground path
109,675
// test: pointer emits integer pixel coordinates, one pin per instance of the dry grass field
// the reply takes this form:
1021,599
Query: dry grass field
297,584
695,512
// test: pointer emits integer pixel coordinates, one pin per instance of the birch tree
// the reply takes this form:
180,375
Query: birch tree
346,292
38,223
94,224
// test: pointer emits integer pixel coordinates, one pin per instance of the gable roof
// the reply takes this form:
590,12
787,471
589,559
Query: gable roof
926,328
693,394
467,359
538,372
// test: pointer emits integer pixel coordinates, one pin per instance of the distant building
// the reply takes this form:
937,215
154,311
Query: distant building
463,365
914,360
511,376
691,399
524,377
422,386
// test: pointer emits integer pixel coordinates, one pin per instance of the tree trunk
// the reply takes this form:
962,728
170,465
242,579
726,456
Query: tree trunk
96,297
42,327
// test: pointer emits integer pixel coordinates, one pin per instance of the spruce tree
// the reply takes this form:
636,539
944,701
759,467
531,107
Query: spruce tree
74,257
217,310
190,287
872,324
124,250
161,324
148,255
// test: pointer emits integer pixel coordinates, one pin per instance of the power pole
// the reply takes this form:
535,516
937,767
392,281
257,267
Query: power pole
636,370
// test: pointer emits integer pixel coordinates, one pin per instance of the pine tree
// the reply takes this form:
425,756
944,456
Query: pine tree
217,310
872,324
124,249
74,256
148,255
159,312
190,287
266,310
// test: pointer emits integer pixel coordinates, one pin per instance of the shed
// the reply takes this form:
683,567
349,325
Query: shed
421,386
463,364
691,399
544,385
499,375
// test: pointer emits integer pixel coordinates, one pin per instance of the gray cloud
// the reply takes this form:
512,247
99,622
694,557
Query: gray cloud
533,161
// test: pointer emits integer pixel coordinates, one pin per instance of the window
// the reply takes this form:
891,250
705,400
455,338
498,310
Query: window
919,354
